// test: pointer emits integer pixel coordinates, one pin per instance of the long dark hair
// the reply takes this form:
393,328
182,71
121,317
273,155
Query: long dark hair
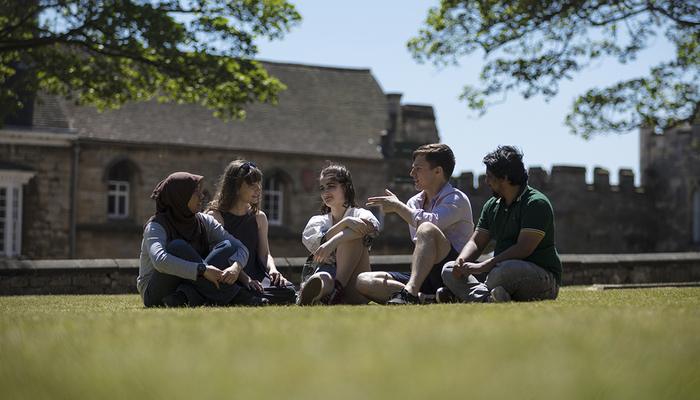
229,184
340,174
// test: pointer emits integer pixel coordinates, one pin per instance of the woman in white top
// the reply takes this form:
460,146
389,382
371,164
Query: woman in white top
339,241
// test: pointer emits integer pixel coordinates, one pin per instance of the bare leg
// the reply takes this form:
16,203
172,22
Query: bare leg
327,284
350,294
377,286
347,257
431,247
352,258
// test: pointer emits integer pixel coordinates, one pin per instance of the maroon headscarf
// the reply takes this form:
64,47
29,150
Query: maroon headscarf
172,196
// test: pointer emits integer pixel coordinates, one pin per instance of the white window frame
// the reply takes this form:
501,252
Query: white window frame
696,215
119,192
274,217
12,182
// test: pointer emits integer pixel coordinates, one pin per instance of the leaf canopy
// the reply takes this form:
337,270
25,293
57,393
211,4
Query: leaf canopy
108,52
530,46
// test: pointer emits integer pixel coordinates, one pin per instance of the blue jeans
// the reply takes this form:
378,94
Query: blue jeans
523,280
198,292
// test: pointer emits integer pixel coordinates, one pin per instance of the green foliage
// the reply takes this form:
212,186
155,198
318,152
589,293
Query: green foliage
611,344
532,45
109,52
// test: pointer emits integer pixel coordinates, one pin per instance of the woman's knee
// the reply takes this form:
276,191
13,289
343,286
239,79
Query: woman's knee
224,245
220,254
351,246
176,245
181,249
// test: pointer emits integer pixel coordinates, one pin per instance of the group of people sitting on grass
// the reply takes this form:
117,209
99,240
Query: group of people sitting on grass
222,256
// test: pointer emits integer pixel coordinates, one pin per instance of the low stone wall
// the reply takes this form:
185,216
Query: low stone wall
118,276
590,269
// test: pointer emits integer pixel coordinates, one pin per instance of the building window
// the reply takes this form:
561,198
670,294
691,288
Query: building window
118,199
273,200
119,178
11,182
696,216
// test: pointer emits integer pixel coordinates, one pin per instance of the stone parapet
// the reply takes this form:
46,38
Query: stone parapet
590,269
118,276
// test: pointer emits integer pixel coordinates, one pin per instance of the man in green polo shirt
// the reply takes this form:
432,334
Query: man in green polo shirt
525,265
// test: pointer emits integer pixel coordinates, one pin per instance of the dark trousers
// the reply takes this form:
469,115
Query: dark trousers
276,294
198,292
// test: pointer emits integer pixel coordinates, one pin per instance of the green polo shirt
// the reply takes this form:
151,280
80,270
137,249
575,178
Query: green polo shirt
529,211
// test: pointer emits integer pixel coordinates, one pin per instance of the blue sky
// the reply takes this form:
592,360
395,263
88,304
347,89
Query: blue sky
373,34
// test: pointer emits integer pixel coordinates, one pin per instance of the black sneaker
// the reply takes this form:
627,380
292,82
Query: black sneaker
309,291
177,299
246,299
402,298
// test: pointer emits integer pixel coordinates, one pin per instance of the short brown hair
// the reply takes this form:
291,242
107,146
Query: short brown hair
438,155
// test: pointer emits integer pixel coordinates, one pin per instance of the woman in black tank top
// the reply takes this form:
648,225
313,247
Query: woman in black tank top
236,206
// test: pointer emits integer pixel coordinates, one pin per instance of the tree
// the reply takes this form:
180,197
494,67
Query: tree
109,52
531,45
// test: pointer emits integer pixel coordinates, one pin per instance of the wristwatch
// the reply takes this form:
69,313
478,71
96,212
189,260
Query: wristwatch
201,269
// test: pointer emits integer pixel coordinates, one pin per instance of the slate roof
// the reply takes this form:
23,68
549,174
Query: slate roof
324,111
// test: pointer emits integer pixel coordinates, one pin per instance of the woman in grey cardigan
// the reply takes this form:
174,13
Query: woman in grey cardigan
187,258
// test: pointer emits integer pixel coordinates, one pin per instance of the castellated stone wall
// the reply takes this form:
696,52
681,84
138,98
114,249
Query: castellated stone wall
590,217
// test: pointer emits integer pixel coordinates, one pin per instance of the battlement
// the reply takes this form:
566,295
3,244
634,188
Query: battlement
563,177
587,214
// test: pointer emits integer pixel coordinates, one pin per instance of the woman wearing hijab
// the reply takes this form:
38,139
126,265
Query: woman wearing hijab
187,258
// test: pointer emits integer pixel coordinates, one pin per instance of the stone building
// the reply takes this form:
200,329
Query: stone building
670,165
75,183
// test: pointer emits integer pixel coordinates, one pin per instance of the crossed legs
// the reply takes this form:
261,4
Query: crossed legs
431,248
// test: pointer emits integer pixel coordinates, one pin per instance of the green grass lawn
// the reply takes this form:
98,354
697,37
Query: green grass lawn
612,344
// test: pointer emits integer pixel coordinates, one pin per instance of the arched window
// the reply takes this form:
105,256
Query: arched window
273,199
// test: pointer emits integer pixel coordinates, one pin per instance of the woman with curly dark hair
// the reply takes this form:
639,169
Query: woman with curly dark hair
236,206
